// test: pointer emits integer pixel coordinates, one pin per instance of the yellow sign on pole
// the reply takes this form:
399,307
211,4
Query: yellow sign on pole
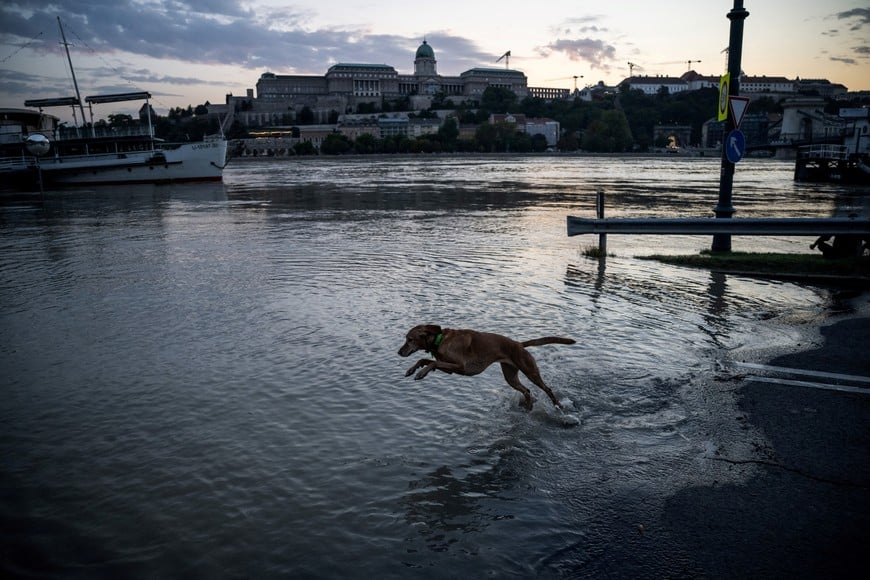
724,86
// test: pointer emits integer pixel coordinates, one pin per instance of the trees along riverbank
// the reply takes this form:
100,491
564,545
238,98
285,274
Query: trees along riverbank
622,121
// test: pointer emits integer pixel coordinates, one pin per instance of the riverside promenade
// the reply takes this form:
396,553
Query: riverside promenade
806,514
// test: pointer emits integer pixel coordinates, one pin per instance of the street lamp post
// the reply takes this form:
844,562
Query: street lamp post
725,209
37,144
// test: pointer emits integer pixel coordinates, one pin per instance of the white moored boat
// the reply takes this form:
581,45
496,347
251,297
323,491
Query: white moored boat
90,155
94,158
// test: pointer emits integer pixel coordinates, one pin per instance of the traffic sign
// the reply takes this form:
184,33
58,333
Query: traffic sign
735,146
724,86
738,109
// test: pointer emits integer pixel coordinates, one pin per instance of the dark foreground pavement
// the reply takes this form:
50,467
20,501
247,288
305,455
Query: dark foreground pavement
806,514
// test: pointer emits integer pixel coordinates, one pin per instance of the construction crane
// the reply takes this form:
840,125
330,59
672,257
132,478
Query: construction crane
631,66
507,59
689,63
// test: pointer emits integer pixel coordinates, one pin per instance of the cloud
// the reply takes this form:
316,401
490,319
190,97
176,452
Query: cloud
216,32
597,53
580,39
195,32
844,59
860,17
579,25
855,21
145,76
21,84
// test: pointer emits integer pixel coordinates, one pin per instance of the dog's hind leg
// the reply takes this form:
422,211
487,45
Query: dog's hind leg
511,375
530,369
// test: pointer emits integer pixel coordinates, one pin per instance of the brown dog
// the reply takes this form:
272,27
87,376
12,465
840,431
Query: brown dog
468,352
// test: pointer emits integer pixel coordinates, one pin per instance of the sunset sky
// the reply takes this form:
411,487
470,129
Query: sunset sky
187,52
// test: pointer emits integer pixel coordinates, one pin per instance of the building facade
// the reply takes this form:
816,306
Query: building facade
551,94
753,85
346,86
550,129
765,84
654,85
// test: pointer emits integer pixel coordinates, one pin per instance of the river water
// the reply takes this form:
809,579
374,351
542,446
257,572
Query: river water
203,380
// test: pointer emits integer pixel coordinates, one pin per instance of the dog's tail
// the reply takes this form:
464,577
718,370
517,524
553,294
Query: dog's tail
549,340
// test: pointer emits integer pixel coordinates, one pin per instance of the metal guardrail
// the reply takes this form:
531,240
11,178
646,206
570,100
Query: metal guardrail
829,152
73,133
706,226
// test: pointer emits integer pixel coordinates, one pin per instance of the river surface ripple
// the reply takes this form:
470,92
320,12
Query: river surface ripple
202,381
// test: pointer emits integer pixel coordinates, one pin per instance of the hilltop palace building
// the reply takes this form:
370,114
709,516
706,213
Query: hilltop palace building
337,95
345,86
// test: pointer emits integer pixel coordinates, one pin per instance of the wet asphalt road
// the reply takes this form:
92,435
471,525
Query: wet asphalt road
806,514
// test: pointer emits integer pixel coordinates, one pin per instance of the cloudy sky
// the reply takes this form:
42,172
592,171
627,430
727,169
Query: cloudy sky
192,51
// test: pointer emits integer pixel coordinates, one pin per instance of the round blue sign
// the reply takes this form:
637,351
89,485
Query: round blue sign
735,146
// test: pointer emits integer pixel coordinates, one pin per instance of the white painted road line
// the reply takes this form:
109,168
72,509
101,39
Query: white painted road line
791,371
825,386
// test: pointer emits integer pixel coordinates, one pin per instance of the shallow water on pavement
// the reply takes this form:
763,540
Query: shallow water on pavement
203,380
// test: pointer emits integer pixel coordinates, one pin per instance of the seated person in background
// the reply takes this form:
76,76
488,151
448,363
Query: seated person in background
843,246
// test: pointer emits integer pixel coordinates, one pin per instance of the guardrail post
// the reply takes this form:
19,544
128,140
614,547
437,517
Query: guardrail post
599,212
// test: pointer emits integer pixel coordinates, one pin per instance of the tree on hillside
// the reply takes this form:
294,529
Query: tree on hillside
539,143
120,120
521,142
365,143
305,148
448,133
644,112
237,130
335,144
610,134
306,116
766,105
495,137
498,100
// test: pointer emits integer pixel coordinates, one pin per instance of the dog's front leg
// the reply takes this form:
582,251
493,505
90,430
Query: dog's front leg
439,365
429,366
420,363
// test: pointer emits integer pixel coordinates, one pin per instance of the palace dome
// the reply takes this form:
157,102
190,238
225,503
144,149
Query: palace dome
425,51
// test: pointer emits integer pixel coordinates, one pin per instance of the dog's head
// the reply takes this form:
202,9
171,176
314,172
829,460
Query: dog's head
420,337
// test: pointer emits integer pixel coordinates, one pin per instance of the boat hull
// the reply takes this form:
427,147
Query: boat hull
825,163
187,162
846,173
202,161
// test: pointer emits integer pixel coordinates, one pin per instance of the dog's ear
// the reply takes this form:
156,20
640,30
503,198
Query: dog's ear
432,329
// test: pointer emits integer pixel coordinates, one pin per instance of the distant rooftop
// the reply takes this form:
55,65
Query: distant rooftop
350,65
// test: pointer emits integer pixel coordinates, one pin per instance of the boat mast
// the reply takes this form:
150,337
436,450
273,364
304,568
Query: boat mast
72,70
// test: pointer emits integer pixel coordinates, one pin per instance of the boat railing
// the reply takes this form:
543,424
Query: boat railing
161,144
822,151
16,163
90,132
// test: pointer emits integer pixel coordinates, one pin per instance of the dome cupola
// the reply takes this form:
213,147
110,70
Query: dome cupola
425,51
424,61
